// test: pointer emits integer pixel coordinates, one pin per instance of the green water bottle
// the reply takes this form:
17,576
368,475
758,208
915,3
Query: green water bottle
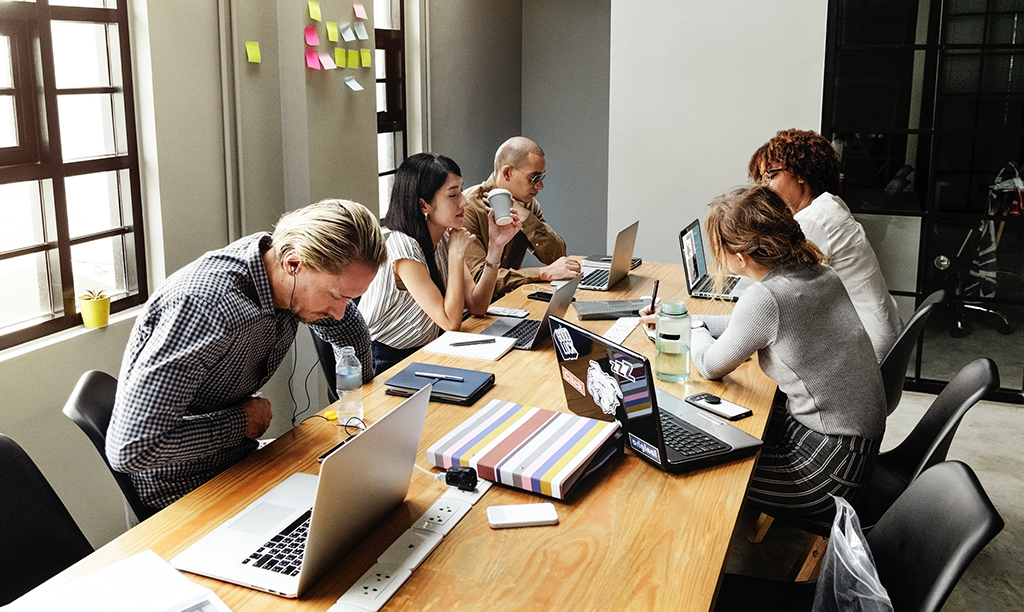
672,342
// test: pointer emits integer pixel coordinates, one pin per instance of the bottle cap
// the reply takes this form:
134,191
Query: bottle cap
348,350
673,307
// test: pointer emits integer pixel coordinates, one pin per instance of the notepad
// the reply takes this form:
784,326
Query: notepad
490,350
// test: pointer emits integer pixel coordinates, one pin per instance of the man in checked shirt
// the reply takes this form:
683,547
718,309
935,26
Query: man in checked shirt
216,331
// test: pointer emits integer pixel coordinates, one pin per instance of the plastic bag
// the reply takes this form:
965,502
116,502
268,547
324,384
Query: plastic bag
848,581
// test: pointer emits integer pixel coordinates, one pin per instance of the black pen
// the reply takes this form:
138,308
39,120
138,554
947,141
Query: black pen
472,342
654,296
440,376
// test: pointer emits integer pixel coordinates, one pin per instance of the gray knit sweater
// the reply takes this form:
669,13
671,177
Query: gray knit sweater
810,341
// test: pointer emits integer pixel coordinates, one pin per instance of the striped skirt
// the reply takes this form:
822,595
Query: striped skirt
800,470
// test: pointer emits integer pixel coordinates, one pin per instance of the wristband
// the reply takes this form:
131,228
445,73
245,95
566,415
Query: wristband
492,265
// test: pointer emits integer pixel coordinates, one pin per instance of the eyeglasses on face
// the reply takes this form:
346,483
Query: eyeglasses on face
536,177
770,174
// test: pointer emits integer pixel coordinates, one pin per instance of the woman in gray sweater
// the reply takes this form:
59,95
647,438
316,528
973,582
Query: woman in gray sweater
809,339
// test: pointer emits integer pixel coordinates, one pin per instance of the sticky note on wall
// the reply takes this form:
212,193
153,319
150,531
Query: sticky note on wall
360,29
326,61
312,61
339,57
314,10
332,31
252,51
353,58
353,84
360,12
312,38
366,56
347,33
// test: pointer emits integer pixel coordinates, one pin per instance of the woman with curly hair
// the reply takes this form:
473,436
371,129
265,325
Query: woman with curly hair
808,338
803,168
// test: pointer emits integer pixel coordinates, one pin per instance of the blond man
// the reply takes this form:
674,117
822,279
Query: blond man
217,330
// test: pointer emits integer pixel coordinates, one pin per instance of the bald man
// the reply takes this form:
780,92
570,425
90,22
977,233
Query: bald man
518,167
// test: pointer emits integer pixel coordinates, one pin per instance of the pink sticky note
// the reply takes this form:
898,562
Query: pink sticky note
326,61
311,36
357,8
312,61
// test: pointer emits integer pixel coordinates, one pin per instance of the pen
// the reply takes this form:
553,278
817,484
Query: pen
472,342
654,295
440,376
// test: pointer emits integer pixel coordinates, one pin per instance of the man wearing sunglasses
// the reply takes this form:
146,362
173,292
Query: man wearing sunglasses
519,167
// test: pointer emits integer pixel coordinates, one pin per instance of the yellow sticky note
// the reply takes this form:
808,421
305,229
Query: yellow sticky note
332,31
314,10
367,56
339,57
252,51
353,58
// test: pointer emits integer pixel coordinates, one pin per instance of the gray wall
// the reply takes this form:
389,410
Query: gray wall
565,110
474,69
289,149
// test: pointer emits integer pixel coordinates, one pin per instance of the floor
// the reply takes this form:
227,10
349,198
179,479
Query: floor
987,441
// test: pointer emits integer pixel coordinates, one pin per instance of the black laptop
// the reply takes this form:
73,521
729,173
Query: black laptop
603,380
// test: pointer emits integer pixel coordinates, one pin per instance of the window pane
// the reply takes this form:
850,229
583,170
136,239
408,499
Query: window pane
99,265
8,122
895,240
386,183
385,151
86,125
24,296
90,3
92,203
381,64
385,15
6,70
22,216
80,54
382,98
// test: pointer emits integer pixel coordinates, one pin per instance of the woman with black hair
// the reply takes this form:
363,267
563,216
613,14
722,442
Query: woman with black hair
425,285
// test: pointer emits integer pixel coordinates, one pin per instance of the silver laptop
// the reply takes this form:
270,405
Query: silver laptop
698,283
603,380
285,540
531,332
597,279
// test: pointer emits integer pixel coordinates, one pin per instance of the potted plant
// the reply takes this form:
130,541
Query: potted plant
95,307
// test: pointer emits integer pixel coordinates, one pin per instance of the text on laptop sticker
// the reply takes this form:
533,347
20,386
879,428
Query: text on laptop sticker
644,448
574,381
563,342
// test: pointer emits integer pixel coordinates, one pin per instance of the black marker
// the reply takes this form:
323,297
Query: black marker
472,342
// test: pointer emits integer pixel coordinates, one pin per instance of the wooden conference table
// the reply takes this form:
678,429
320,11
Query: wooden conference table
632,537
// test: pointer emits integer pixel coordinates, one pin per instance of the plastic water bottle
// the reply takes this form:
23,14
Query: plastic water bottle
349,384
672,343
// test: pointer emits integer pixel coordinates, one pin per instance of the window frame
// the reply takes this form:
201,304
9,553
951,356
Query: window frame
393,120
36,61
23,81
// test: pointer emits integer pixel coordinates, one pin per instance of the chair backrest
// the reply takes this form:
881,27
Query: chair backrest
90,407
326,353
38,537
928,443
894,365
929,536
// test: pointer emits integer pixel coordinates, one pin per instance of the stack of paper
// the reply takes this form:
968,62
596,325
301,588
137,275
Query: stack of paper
483,347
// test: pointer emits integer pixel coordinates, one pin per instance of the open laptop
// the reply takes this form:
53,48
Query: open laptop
698,283
622,258
603,380
325,516
531,332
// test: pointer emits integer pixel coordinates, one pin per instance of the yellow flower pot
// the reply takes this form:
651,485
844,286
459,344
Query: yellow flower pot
95,311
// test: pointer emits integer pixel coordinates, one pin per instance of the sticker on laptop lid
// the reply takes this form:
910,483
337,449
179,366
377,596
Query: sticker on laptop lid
603,388
563,342
644,448
623,368
574,380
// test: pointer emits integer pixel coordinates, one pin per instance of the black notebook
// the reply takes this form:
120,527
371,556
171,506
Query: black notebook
451,385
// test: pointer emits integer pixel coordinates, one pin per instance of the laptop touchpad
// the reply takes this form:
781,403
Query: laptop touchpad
262,518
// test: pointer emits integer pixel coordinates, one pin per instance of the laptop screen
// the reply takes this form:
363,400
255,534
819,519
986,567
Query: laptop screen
692,245
601,379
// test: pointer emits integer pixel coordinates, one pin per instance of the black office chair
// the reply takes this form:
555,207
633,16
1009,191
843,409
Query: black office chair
928,443
960,284
38,537
921,546
90,407
894,364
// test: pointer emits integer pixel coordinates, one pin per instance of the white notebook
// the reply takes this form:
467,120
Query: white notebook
492,347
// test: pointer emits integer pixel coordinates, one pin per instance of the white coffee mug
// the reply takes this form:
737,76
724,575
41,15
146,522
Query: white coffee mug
500,200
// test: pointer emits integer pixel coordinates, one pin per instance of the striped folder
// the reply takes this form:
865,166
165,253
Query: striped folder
528,448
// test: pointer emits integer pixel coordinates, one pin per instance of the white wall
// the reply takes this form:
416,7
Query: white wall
695,89
565,110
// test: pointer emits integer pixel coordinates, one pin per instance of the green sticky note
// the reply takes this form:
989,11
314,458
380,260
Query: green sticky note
252,51
339,57
314,10
332,31
353,58
367,56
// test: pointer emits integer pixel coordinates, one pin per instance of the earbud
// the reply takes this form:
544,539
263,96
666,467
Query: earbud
294,269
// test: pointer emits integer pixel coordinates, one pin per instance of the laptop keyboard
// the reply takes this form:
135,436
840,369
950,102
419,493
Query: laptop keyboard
688,440
523,332
283,553
597,278
708,285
